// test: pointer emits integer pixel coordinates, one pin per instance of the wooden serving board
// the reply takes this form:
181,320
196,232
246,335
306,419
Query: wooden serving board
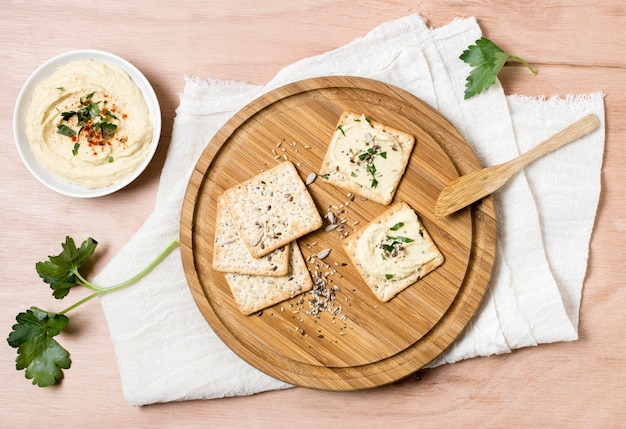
360,342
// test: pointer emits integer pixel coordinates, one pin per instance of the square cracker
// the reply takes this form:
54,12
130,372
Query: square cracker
272,209
386,259
230,254
366,157
254,293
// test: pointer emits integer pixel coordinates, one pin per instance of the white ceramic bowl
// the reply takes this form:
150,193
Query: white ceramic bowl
21,109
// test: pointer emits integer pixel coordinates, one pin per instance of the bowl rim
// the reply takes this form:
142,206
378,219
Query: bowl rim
23,101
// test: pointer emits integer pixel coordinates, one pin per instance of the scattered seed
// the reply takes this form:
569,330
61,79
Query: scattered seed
311,178
323,254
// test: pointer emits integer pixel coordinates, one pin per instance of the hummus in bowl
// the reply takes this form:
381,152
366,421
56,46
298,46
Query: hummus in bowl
87,123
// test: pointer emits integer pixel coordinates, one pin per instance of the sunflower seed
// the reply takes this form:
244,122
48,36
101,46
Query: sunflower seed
311,178
324,253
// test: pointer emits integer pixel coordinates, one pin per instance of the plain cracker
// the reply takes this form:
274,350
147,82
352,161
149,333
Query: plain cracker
255,293
230,254
272,209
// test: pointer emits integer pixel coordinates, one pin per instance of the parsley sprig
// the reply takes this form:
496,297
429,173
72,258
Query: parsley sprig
38,352
488,60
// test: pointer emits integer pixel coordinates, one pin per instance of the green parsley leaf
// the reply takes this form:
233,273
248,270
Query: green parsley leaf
397,226
75,149
37,351
61,271
488,60
107,129
387,247
389,276
68,115
340,128
65,131
401,239
110,159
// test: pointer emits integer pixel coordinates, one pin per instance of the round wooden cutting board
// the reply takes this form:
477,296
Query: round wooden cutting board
357,342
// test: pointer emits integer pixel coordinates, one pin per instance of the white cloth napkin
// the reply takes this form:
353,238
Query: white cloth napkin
167,352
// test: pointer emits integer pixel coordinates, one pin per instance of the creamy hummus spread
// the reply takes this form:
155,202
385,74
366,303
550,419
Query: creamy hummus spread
395,248
89,124
370,156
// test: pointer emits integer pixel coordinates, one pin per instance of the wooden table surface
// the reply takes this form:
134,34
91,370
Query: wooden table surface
577,47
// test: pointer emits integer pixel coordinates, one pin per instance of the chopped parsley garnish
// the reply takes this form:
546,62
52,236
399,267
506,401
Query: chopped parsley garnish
75,149
91,119
397,226
66,131
368,157
394,246
400,239
340,128
389,276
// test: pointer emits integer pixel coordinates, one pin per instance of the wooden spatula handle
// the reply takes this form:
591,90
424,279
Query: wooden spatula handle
577,130
473,186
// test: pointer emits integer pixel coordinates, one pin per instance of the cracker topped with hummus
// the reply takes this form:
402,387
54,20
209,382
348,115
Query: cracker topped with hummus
393,251
366,157
89,124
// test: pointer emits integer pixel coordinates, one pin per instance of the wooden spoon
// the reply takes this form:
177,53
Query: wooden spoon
471,187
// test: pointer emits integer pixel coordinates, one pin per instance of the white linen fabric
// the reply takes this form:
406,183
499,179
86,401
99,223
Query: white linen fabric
167,352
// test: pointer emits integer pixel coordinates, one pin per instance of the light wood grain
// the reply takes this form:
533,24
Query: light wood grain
576,48
367,343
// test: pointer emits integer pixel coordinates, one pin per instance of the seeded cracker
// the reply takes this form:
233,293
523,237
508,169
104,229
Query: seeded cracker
254,293
366,157
272,209
231,255
393,251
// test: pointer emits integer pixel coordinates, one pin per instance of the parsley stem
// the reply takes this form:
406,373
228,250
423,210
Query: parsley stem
528,66
84,282
101,291
82,301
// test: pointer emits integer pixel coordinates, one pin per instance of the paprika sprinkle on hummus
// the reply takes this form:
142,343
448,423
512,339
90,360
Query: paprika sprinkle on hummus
89,124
